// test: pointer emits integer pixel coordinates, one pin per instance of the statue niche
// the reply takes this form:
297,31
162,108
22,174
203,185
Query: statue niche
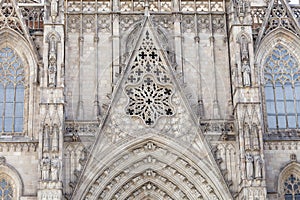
245,61
52,62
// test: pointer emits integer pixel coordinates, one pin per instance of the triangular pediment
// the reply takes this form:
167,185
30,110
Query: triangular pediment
149,129
279,16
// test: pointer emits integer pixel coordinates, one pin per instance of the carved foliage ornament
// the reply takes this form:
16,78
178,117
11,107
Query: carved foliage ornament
9,18
279,18
148,85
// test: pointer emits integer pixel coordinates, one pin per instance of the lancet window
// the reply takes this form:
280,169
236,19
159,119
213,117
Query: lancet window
292,188
282,86
11,91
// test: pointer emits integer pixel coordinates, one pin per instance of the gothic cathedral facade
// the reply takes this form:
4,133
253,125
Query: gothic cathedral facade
149,99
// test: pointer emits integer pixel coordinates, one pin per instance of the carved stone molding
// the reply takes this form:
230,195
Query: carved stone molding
18,146
143,166
81,128
281,145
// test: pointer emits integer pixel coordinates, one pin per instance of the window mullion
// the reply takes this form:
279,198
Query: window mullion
276,113
14,108
295,104
285,107
4,106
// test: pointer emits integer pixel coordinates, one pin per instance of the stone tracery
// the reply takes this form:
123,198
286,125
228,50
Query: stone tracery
148,84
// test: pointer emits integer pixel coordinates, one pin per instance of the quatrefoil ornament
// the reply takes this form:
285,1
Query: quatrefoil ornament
149,100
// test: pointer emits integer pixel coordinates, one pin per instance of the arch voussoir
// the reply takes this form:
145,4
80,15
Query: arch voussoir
152,158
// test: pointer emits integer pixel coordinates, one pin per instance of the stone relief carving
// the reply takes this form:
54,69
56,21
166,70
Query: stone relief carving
218,24
73,23
104,23
127,21
203,24
188,23
88,25
164,21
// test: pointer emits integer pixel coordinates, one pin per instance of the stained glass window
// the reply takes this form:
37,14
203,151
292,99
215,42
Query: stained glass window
11,91
292,188
282,89
6,189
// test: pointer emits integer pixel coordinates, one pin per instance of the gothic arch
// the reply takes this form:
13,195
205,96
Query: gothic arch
280,37
154,160
6,170
292,168
29,58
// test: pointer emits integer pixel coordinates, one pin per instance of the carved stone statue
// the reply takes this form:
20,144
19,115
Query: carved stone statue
45,167
54,10
249,166
258,167
52,68
246,72
54,169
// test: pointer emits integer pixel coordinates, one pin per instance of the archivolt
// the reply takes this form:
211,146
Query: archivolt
152,165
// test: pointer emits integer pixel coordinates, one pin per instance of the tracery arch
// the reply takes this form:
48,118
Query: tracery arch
28,57
282,80
279,74
289,182
7,187
10,181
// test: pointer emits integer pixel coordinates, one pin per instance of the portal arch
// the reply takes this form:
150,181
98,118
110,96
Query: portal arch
153,160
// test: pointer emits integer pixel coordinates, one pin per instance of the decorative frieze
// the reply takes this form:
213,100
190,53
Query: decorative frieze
81,128
18,146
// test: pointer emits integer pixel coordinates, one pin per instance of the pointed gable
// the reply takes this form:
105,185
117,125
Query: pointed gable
279,15
150,136
9,17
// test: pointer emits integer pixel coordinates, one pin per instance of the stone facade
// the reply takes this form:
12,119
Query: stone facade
150,99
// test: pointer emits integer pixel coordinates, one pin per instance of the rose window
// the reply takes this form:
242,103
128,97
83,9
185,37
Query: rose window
149,100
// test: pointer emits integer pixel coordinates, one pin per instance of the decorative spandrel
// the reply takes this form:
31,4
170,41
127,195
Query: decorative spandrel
148,85
149,100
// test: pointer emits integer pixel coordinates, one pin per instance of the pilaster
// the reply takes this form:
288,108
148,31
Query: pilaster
246,102
52,103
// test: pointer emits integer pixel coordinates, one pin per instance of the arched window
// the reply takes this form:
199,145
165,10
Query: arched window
292,188
282,89
11,91
6,188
